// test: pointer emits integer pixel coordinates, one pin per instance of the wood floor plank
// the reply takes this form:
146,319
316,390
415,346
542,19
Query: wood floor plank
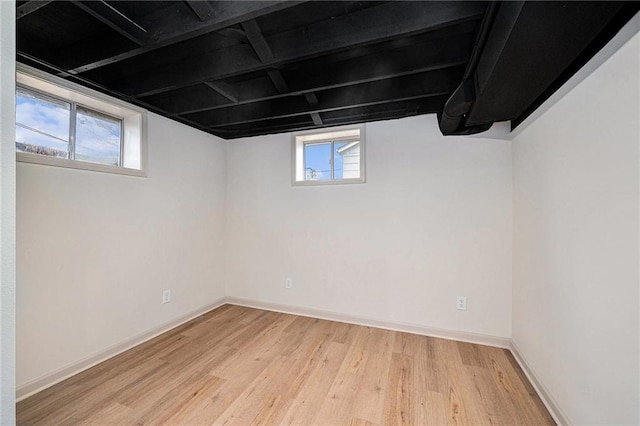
464,407
237,365
369,401
397,404
306,405
512,387
114,414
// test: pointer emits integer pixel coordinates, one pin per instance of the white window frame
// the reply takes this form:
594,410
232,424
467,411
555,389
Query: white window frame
133,147
325,135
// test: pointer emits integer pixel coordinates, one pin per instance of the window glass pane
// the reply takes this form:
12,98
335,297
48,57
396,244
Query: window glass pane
347,158
97,137
317,161
42,124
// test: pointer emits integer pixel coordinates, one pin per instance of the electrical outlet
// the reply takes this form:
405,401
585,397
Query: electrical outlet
461,303
288,283
166,296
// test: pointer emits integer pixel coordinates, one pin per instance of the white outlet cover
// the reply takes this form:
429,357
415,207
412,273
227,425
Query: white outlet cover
461,303
166,296
288,283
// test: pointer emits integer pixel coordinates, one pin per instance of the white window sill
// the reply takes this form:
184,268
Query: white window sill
25,157
328,182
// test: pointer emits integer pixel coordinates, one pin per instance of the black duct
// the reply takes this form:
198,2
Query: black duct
459,104
523,49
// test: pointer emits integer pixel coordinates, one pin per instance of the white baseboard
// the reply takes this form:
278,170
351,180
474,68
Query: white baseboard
51,379
482,339
554,409
48,380
501,342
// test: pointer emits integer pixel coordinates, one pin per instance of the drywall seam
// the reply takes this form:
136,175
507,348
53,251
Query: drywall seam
51,379
461,336
554,408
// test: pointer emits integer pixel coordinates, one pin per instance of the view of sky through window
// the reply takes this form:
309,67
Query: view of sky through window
43,127
42,124
317,157
97,137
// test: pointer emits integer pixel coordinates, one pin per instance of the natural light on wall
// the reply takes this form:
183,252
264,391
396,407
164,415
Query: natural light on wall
332,157
59,123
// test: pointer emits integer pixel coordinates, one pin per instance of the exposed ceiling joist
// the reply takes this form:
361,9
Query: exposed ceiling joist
317,120
245,68
313,102
368,26
342,117
278,81
30,7
311,98
115,20
83,81
436,83
234,33
224,89
170,31
260,45
386,65
202,9
257,41
262,49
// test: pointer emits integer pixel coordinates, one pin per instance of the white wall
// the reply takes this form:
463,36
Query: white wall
432,222
576,238
7,212
96,250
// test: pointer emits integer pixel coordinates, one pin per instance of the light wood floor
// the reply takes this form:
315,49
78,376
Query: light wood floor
244,366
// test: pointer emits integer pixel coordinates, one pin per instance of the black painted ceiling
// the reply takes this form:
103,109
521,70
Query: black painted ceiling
242,68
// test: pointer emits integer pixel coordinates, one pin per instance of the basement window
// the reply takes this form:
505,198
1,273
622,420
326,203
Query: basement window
332,157
61,124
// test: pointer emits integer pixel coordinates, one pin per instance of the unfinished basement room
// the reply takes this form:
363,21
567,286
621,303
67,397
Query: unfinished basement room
285,212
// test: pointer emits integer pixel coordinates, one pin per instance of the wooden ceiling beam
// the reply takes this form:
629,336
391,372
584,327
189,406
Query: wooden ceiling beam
29,7
201,8
342,117
431,56
114,19
264,53
313,102
257,41
234,33
436,83
311,98
91,84
169,30
372,25
224,89
278,81
317,120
